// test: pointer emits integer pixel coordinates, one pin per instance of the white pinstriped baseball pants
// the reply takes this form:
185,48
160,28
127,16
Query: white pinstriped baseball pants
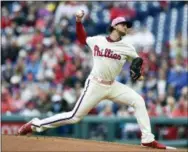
93,93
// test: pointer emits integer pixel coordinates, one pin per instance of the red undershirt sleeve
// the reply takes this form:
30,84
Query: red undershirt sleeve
81,33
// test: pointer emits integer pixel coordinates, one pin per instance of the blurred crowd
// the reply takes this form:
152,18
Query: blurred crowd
44,67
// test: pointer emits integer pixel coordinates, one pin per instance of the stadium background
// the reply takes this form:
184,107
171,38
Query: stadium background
43,66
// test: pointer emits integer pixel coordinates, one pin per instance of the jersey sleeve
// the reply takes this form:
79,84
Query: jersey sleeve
89,40
130,53
133,54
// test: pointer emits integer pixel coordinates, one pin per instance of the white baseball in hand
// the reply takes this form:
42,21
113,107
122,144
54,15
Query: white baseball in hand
141,78
80,13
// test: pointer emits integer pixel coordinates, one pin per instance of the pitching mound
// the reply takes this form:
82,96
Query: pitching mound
12,143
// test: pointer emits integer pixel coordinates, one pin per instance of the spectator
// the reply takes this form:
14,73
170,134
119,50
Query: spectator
181,110
121,9
177,71
178,47
30,110
42,100
33,64
6,101
107,111
161,83
170,107
7,71
152,110
17,104
129,130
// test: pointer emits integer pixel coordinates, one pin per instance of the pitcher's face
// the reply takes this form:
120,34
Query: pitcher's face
121,29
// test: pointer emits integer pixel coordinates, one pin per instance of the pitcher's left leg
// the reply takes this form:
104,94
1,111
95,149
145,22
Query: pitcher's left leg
123,94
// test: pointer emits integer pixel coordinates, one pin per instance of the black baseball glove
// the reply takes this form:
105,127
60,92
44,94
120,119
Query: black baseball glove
135,68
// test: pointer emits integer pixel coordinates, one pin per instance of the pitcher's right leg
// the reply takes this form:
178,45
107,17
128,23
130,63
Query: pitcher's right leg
91,96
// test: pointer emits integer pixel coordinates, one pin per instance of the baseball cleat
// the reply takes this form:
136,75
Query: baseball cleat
157,145
170,148
25,129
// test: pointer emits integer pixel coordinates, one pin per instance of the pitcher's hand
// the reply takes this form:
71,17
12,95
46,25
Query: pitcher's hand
141,78
79,15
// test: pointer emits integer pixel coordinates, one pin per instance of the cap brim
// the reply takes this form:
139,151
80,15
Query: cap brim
128,23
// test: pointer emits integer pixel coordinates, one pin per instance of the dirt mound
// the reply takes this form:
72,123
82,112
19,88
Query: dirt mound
12,143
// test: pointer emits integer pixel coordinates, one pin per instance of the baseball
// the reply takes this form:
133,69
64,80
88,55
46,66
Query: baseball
141,78
80,13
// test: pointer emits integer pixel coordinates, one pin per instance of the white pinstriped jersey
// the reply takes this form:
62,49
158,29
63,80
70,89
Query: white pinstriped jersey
109,57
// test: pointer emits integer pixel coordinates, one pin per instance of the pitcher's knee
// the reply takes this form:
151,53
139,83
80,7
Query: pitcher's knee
76,119
140,102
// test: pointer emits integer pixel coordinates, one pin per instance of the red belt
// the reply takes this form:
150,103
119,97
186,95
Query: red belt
102,81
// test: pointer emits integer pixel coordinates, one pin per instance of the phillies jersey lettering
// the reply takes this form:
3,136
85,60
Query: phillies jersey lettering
109,57
108,53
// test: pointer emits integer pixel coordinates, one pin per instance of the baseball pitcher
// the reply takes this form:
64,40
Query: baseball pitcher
109,55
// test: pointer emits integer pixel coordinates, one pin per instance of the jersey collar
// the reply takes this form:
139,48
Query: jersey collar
110,40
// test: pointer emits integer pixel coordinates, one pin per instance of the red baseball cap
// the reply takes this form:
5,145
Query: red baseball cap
119,20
